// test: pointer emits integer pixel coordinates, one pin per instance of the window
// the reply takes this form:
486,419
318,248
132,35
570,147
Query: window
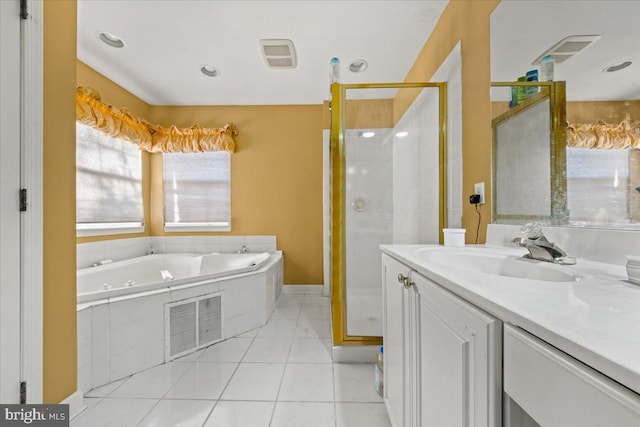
197,191
108,184
599,186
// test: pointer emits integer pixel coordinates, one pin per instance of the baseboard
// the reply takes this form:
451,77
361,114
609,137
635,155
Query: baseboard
356,353
75,402
302,289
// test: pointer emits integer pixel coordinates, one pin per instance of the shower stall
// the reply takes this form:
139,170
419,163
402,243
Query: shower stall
387,185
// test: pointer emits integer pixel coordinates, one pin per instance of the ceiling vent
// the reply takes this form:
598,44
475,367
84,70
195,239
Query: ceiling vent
278,53
567,47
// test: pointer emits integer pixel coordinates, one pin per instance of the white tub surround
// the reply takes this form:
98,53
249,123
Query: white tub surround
595,319
150,272
121,249
121,333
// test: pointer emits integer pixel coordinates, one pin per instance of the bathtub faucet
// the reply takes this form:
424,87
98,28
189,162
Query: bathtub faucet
243,250
166,275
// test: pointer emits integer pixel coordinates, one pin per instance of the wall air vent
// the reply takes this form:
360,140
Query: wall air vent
567,47
278,53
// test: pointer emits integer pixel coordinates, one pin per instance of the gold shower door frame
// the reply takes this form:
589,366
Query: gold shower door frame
338,189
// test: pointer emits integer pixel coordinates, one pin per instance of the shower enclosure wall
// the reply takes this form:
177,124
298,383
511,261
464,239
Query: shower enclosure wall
388,160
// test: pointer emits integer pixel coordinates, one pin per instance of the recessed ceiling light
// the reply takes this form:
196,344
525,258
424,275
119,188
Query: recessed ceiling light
618,66
358,66
366,134
402,134
210,71
110,39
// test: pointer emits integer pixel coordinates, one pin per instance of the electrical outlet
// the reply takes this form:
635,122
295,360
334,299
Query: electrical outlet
479,189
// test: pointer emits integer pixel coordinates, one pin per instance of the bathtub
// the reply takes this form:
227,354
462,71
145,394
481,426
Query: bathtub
151,272
122,327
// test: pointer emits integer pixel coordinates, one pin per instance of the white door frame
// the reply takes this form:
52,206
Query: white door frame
32,179
9,212
21,232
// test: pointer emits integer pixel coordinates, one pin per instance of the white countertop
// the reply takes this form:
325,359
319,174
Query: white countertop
596,320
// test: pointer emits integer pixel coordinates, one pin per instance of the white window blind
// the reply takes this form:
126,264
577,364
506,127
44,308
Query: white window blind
197,190
108,181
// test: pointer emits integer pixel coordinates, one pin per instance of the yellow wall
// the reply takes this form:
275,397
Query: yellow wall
276,173
276,178
116,95
59,246
469,22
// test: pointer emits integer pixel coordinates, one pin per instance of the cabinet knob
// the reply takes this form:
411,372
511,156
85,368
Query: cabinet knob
404,280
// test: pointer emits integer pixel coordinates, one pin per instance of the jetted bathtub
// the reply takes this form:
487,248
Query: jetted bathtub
160,271
124,307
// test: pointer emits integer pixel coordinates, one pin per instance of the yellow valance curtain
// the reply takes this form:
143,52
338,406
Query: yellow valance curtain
91,111
601,135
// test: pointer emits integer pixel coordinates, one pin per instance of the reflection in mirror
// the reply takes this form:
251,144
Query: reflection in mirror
529,147
602,100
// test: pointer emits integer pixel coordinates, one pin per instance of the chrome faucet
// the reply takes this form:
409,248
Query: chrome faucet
243,250
539,247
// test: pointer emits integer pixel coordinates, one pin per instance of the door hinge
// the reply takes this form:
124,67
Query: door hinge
24,14
23,392
23,200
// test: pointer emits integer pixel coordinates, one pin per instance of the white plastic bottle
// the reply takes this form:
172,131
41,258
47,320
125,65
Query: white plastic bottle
334,64
546,69
379,385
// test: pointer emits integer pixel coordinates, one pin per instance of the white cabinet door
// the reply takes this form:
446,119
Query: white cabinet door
459,352
395,334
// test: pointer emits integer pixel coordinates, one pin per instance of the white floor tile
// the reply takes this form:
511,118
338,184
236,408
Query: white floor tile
241,414
90,402
231,350
178,413
313,328
255,381
319,300
269,350
249,334
112,412
362,414
204,380
278,328
307,383
290,299
315,312
310,350
191,357
152,383
106,389
307,414
286,312
355,383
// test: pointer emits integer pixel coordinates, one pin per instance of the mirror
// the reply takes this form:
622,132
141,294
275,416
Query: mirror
595,50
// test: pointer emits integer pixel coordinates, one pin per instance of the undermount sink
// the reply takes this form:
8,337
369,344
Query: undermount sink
500,264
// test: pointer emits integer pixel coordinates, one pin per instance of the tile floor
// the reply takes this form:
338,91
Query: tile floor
279,375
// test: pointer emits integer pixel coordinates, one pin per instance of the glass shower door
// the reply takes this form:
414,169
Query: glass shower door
388,169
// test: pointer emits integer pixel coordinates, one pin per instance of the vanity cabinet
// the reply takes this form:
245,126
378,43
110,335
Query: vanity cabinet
442,355
546,387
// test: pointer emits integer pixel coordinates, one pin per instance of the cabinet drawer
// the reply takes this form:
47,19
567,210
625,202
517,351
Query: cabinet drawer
557,390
